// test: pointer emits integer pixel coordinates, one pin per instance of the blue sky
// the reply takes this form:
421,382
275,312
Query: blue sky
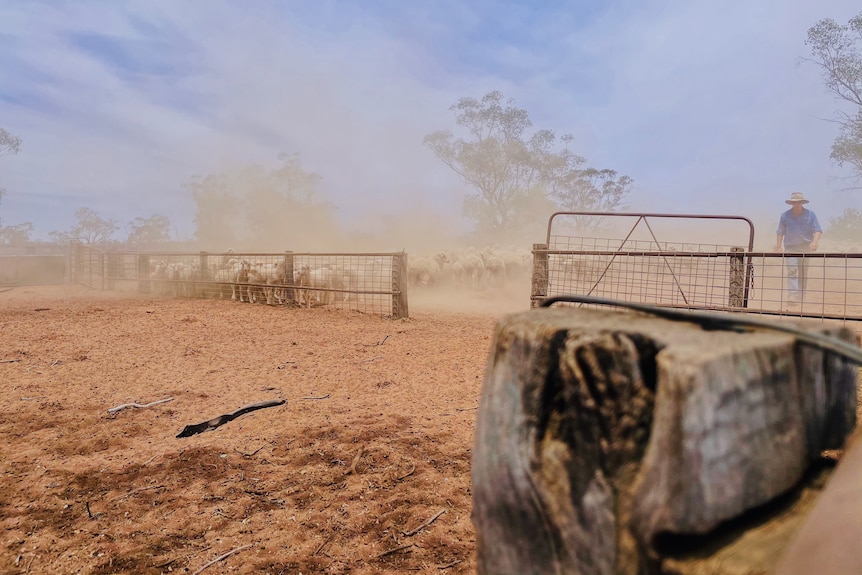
705,104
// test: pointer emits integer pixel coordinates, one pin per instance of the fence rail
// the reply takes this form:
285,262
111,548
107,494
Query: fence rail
642,267
733,280
366,282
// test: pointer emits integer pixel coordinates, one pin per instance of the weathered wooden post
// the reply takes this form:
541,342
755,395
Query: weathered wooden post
539,288
144,273
736,283
399,286
289,293
603,435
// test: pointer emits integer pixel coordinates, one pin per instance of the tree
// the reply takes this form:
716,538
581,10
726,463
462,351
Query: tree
591,190
217,211
9,143
847,226
836,50
516,175
89,229
16,235
262,208
147,232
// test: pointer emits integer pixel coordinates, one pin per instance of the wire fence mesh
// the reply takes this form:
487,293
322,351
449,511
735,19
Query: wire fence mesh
638,266
373,283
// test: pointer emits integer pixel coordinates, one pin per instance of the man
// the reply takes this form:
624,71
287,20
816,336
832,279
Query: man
798,232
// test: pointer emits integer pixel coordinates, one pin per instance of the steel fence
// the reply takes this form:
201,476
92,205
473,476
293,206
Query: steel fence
698,275
374,283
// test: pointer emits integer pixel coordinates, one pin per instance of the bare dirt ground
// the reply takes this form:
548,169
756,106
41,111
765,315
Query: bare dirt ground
364,469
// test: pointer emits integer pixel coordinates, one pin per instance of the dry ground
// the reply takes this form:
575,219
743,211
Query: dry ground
350,475
373,441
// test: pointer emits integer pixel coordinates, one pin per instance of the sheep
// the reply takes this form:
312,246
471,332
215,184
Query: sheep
269,275
235,274
422,271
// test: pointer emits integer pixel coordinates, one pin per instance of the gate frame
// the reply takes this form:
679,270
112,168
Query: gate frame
540,270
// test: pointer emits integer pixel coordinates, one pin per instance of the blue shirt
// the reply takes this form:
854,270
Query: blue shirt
799,230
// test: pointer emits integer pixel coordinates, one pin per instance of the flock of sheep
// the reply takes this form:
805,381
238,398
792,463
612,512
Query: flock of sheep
470,268
333,279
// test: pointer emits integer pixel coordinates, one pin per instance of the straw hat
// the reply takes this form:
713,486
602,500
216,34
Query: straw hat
796,198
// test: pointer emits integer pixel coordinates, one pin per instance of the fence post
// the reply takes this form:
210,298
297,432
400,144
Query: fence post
539,289
736,281
144,273
289,293
399,286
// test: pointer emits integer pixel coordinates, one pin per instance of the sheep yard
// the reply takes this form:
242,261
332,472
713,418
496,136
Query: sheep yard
364,469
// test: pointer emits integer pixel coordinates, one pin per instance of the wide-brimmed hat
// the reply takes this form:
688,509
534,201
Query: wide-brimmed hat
796,198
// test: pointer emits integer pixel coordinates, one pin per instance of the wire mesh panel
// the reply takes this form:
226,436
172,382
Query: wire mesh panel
641,267
641,264
372,283
677,278
88,266
815,285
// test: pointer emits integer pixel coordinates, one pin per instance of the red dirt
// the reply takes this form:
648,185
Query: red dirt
373,441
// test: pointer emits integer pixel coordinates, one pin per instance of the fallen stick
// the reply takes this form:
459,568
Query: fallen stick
355,462
391,551
196,428
222,558
9,360
424,525
321,397
375,344
130,493
408,474
138,405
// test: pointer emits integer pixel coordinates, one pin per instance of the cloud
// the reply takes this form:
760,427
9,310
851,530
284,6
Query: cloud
705,106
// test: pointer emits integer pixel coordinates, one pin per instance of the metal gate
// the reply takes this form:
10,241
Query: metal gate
88,266
643,263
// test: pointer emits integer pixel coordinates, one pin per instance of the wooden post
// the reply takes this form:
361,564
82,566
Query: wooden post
144,273
736,283
603,437
289,293
539,290
399,286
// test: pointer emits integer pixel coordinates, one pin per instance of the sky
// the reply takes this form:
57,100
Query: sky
708,106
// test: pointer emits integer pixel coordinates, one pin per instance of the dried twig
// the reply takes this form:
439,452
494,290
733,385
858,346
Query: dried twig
356,461
9,360
252,453
321,546
381,342
370,360
391,551
424,525
138,405
408,474
222,558
319,397
42,309
130,493
466,408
